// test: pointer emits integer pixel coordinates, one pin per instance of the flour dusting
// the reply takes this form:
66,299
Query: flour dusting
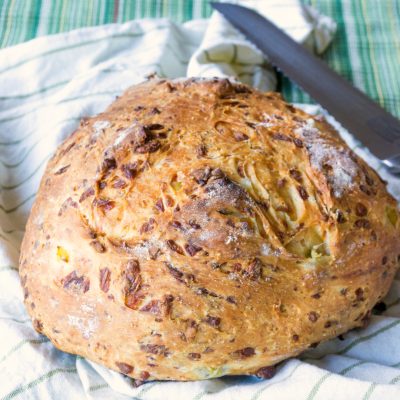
336,161
98,128
86,325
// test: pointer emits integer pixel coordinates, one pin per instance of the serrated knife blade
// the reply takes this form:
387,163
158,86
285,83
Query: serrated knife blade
367,121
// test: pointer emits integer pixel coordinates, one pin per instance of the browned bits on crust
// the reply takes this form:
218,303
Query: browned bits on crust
296,175
194,356
298,142
184,278
153,127
62,170
253,271
193,224
302,192
359,294
129,170
212,321
153,307
369,180
157,349
340,217
99,247
174,246
104,204
240,89
178,275
240,170
108,165
87,193
295,338
384,260
148,226
67,203
159,205
119,184
177,225
155,111
231,299
244,353
202,175
240,136
124,368
105,278
132,285
201,150
144,375
159,307
169,201
281,183
38,325
150,147
365,190
313,316
266,372
67,149
75,283
281,137
192,249
361,210
362,223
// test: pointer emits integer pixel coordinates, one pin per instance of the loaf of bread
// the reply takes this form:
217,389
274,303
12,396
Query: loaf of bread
200,228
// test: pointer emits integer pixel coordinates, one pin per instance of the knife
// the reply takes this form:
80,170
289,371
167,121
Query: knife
371,124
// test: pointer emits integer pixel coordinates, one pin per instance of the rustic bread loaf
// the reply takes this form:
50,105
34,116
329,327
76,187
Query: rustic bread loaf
199,228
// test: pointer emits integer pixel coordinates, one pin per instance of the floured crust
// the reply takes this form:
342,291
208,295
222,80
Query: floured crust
199,228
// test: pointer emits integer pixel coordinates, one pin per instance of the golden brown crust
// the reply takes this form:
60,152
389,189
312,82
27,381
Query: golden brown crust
199,228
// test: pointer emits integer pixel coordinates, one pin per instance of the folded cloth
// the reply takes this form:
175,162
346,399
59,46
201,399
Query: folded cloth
46,86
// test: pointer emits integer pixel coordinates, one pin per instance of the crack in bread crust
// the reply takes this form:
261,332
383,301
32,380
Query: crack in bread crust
199,228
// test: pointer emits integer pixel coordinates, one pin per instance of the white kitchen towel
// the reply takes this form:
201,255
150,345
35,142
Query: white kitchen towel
46,86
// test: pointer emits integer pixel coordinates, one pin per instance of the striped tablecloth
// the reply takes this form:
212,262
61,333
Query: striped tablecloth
366,49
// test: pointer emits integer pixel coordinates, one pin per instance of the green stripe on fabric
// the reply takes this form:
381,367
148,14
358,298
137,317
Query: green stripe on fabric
18,141
24,388
67,100
35,18
351,367
147,387
369,391
259,392
316,387
27,178
21,344
81,44
18,321
15,208
368,337
395,380
8,268
22,159
98,387
343,372
36,92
